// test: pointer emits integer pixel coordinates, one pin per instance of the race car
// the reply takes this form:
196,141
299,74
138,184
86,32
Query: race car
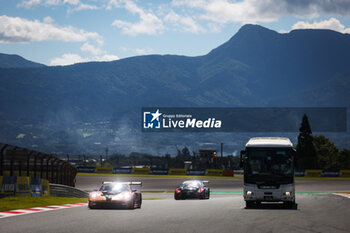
116,195
192,189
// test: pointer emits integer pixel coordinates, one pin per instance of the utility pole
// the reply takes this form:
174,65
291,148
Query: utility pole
106,153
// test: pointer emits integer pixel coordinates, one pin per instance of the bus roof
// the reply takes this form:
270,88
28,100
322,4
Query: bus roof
269,142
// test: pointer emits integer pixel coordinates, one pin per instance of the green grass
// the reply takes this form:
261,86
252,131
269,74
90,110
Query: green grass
14,203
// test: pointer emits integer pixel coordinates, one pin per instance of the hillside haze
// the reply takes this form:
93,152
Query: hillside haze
57,107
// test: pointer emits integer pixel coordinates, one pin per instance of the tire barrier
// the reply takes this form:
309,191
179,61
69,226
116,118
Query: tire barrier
177,171
9,186
104,170
21,162
143,171
59,190
86,169
330,173
313,173
195,172
299,173
213,172
36,187
345,173
159,171
23,186
122,170
227,173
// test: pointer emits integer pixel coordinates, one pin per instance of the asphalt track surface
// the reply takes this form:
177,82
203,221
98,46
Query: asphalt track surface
221,213
89,183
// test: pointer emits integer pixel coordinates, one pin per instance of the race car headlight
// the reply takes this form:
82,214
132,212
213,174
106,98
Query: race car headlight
249,193
126,196
94,195
287,194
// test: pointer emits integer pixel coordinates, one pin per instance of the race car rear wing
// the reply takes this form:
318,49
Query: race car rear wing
135,183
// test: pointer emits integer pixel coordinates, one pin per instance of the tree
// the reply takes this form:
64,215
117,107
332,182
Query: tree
327,153
344,159
306,155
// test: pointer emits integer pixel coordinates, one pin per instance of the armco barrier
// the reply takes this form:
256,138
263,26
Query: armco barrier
159,171
227,173
9,186
344,172
195,172
144,171
122,170
213,172
177,171
59,190
300,172
86,169
330,173
23,186
314,173
35,186
106,170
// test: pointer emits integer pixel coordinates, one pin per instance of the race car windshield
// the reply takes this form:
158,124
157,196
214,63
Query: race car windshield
118,188
194,184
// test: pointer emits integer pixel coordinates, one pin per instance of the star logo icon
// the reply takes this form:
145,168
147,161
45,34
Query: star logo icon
156,115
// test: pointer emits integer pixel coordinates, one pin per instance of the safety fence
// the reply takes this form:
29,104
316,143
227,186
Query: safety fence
201,172
23,186
322,173
20,162
155,171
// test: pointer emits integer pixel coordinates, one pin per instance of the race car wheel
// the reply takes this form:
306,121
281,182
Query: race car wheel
139,202
90,205
176,197
208,195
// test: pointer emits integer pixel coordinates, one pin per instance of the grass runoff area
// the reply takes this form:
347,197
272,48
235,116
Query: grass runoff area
14,203
204,177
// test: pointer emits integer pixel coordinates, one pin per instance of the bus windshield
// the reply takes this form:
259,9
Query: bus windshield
273,162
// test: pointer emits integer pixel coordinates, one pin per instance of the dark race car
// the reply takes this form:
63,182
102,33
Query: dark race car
116,195
192,189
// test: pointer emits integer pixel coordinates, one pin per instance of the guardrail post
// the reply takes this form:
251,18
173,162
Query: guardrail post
41,166
52,169
35,158
28,162
2,159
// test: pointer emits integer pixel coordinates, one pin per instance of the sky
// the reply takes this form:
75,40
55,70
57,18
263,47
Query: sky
64,32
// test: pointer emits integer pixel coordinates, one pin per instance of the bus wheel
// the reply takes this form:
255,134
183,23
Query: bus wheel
249,204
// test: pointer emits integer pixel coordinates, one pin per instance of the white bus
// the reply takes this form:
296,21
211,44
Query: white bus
268,164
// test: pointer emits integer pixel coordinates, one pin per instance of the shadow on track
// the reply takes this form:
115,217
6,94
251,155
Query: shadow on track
273,206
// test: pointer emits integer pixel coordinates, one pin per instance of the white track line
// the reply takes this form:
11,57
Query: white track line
12,213
347,195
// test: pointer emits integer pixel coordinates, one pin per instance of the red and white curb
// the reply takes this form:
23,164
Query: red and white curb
11,213
347,195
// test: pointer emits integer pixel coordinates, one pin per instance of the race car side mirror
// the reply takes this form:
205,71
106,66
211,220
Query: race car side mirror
133,190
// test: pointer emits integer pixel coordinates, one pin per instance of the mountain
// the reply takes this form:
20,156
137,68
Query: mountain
15,61
100,101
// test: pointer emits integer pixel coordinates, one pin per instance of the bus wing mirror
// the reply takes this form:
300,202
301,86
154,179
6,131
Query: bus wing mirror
241,158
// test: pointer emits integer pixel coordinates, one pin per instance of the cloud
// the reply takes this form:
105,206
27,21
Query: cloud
253,11
74,5
69,59
148,23
18,30
332,24
140,51
184,23
29,3
86,47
